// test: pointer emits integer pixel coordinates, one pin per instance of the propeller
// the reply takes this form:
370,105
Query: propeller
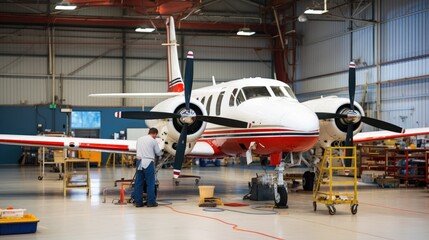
187,117
354,116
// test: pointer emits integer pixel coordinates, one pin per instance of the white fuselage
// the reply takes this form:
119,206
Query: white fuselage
279,123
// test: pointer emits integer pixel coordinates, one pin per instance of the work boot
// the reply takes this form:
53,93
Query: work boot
155,204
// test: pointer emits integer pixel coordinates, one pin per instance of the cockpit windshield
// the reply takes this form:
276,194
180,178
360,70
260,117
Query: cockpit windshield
255,92
290,92
247,93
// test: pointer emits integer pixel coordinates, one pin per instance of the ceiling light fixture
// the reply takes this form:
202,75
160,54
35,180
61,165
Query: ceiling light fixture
245,32
145,29
318,11
65,5
302,18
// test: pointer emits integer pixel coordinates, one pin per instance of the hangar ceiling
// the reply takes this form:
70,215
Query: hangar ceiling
268,18
196,15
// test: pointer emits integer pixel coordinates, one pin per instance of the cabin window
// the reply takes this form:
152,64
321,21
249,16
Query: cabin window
256,92
202,100
277,91
240,98
231,99
219,102
209,101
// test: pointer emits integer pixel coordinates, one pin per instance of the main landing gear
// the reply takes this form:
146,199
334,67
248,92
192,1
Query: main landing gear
280,189
308,180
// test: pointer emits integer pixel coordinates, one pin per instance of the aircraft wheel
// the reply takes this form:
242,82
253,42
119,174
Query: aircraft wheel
308,181
332,210
314,205
280,197
354,209
197,181
40,178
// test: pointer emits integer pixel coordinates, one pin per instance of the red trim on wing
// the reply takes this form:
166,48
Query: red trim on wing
34,142
96,146
104,146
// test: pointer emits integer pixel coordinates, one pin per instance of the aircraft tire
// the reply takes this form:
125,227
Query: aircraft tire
308,181
282,196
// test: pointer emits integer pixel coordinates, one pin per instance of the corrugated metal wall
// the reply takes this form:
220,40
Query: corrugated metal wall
327,47
92,61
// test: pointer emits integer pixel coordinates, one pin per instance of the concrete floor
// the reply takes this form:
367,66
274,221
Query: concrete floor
401,213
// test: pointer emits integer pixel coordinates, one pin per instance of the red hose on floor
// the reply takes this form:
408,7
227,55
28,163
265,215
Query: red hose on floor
233,225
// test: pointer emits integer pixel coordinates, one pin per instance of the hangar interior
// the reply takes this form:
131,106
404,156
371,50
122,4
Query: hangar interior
52,60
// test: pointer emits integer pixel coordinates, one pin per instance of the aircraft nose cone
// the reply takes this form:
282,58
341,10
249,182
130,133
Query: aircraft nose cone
299,117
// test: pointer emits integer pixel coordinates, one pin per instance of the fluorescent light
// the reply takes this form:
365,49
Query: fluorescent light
65,5
315,11
145,29
245,32
318,11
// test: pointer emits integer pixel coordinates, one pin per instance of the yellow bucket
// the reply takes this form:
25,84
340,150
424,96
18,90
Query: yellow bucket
206,191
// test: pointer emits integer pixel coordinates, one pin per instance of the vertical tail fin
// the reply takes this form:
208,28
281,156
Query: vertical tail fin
175,82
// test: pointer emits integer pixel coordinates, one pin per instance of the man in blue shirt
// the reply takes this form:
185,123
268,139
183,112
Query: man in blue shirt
147,150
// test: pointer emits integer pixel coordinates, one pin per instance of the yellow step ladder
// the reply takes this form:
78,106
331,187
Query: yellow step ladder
330,198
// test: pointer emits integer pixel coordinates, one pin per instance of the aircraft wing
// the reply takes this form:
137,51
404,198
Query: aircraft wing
136,95
94,144
384,135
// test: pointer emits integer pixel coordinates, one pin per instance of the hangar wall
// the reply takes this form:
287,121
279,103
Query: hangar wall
85,60
392,53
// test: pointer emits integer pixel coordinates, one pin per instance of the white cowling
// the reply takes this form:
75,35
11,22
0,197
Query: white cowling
332,130
169,129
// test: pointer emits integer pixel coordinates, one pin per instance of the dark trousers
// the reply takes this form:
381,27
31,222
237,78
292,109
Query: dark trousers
143,175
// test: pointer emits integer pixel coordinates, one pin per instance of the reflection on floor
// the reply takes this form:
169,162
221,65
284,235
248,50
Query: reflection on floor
382,213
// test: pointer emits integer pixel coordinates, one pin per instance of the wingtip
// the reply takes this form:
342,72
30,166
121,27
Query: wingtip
118,114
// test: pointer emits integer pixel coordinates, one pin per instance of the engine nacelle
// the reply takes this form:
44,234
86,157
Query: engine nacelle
169,129
332,130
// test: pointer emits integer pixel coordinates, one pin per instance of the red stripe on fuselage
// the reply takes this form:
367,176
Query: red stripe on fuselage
251,130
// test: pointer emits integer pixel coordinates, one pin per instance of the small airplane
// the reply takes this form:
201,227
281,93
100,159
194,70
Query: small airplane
251,116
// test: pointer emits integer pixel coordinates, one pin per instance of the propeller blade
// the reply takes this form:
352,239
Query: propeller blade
349,136
189,76
325,115
223,121
349,143
352,84
145,115
180,151
382,124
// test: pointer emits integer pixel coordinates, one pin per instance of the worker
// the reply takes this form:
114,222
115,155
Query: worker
147,150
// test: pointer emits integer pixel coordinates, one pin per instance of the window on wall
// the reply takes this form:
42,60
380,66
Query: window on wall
86,123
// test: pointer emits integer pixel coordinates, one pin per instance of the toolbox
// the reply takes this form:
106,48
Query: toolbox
13,225
387,182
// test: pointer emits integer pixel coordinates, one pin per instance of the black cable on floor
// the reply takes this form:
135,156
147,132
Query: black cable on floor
266,212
